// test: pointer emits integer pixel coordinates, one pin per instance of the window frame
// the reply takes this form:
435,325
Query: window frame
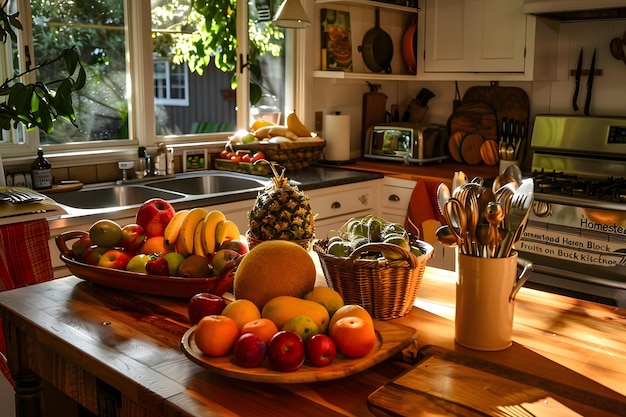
142,130
170,86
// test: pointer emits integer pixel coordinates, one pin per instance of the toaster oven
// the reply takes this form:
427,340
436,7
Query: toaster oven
407,142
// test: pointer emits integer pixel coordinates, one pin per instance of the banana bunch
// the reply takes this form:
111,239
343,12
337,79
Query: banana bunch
264,130
199,231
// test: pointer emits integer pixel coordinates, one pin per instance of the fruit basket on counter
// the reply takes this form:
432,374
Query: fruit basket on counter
293,155
177,287
386,286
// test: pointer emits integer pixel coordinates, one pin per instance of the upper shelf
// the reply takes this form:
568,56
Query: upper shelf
341,75
372,4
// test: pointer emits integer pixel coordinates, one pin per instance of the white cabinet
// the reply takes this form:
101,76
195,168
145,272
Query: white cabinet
335,205
396,194
484,40
474,36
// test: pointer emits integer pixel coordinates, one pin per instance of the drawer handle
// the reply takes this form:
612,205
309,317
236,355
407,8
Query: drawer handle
394,197
335,205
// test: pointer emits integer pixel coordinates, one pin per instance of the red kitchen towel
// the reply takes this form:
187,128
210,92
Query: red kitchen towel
24,260
423,216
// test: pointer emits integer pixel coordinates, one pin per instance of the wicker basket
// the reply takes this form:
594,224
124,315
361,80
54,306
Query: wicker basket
386,289
291,155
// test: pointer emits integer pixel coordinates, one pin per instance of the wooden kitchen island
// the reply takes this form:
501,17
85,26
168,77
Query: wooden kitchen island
119,354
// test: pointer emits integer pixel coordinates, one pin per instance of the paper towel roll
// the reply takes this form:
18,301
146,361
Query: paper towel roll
337,136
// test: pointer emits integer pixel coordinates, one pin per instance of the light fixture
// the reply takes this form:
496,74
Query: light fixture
291,14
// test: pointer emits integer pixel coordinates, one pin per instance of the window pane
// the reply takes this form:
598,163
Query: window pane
187,102
96,29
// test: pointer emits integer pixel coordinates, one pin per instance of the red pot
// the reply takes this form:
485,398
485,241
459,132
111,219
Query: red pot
409,46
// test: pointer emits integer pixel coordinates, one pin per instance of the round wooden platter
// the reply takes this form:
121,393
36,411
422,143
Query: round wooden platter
392,338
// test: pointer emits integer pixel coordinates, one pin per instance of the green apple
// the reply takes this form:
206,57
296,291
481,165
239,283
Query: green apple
248,138
105,233
138,263
304,326
174,259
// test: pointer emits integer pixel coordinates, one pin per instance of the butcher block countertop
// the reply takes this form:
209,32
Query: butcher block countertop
103,346
438,171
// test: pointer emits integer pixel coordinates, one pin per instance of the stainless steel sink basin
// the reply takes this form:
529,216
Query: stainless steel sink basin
208,183
186,187
112,196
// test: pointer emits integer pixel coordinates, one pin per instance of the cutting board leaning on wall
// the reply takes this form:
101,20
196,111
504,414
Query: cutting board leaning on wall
475,127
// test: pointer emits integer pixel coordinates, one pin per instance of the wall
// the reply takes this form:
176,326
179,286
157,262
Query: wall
608,98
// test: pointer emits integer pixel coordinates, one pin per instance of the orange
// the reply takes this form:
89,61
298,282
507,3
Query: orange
215,335
242,311
263,328
353,337
350,310
156,244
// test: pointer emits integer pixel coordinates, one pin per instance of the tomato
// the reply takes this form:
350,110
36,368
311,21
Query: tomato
224,154
235,158
245,157
257,156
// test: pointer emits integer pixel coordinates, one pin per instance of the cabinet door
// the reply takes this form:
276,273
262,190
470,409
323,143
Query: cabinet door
474,36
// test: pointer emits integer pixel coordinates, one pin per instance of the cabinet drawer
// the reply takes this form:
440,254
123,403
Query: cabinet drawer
342,202
396,197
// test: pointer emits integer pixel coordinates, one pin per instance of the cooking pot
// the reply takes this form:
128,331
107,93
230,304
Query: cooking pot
409,46
377,48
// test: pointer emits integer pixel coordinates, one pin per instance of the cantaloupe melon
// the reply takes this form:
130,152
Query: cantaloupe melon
274,268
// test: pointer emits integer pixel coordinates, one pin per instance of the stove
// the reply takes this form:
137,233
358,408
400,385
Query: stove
576,235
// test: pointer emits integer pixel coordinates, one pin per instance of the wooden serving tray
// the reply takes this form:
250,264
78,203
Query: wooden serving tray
448,383
392,338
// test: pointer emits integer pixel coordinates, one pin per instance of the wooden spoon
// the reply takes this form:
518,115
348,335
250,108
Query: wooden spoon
617,49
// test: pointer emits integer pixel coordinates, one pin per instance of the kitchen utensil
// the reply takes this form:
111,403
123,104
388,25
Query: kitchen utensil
424,96
501,180
16,196
517,216
522,136
459,178
409,46
377,48
443,195
514,172
455,217
445,236
489,152
592,70
503,138
510,145
617,49
579,69
474,117
485,235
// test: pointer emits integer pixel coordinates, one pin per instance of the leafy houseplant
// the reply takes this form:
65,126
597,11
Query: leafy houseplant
38,104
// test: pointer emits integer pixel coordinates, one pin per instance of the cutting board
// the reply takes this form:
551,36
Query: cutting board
474,117
449,383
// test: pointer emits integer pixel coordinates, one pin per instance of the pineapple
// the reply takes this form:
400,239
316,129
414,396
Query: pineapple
281,211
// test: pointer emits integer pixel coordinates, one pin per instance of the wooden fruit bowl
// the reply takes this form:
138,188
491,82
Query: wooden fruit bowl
177,287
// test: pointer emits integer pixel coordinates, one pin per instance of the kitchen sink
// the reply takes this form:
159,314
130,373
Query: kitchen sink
111,196
186,187
208,183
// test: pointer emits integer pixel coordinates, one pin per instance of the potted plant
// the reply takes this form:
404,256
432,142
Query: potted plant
37,104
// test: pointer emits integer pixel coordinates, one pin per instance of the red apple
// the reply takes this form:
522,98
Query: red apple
92,254
133,236
115,259
249,350
221,258
80,246
236,245
286,351
154,215
320,349
204,304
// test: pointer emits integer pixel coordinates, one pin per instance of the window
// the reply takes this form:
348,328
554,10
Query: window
136,91
171,84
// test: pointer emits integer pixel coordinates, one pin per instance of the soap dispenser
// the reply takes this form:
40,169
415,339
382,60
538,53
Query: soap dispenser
143,165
